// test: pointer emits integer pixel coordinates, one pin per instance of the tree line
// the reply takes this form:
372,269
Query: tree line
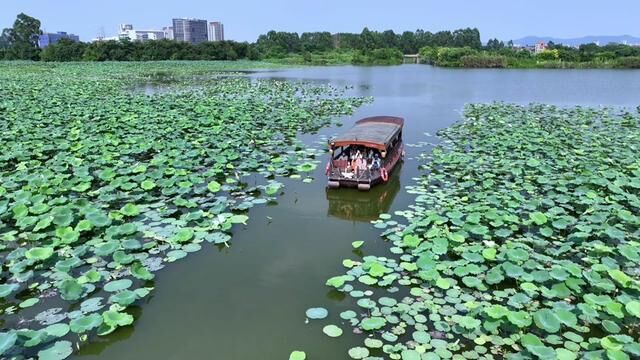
458,48
21,42
497,55
276,44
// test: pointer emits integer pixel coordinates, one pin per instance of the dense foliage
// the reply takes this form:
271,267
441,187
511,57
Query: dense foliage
21,41
523,243
102,185
555,56
279,44
368,47
125,50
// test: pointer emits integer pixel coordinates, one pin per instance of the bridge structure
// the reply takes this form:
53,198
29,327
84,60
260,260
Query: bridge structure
411,59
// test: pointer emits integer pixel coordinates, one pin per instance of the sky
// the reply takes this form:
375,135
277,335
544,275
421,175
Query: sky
245,20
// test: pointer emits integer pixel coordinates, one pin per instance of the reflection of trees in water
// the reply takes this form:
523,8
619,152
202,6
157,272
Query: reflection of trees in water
351,204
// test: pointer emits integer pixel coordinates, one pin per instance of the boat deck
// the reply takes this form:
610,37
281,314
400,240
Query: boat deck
362,179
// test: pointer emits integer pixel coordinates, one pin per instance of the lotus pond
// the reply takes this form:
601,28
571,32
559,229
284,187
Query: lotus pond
258,291
523,242
101,186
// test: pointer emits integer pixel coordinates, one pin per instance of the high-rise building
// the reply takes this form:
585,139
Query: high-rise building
47,39
128,32
216,31
190,30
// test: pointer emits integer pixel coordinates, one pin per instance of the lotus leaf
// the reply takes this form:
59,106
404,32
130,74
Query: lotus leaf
114,318
39,253
57,330
7,339
336,281
373,323
332,331
214,186
347,315
633,308
316,313
130,210
117,285
297,355
85,323
147,185
6,289
139,271
59,350
70,289
547,320
28,303
124,298
358,352
239,219
373,343
410,355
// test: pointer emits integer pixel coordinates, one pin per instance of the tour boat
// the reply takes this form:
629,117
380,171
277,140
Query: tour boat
366,154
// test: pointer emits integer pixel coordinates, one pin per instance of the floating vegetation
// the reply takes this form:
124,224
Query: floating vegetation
100,187
297,355
317,313
523,243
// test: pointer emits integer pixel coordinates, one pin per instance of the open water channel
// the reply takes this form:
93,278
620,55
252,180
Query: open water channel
248,301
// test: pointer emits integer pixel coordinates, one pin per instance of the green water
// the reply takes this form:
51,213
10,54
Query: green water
247,301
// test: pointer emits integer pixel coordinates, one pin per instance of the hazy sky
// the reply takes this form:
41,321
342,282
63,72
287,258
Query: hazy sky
246,19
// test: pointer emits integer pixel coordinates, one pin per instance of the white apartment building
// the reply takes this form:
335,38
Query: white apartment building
128,32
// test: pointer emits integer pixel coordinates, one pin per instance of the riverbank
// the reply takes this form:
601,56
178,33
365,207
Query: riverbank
557,58
341,57
464,58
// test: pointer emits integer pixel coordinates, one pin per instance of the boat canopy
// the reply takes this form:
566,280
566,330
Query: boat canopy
373,132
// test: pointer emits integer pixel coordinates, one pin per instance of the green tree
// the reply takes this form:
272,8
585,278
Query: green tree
389,39
346,40
553,54
316,41
495,44
4,43
64,50
367,40
4,39
276,44
442,39
408,43
466,38
23,38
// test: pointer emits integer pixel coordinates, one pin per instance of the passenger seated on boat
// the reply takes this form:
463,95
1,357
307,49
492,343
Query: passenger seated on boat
376,163
348,171
362,166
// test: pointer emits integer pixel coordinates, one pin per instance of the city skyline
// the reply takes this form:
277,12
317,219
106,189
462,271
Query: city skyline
494,18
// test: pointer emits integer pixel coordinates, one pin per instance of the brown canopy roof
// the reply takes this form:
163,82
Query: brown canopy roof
374,132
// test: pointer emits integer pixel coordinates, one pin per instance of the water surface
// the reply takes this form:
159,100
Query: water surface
247,301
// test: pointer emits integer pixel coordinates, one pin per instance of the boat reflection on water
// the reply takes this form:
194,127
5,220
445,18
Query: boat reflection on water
351,204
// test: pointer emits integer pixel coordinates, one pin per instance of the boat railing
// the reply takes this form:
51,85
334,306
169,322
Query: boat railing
393,155
338,168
